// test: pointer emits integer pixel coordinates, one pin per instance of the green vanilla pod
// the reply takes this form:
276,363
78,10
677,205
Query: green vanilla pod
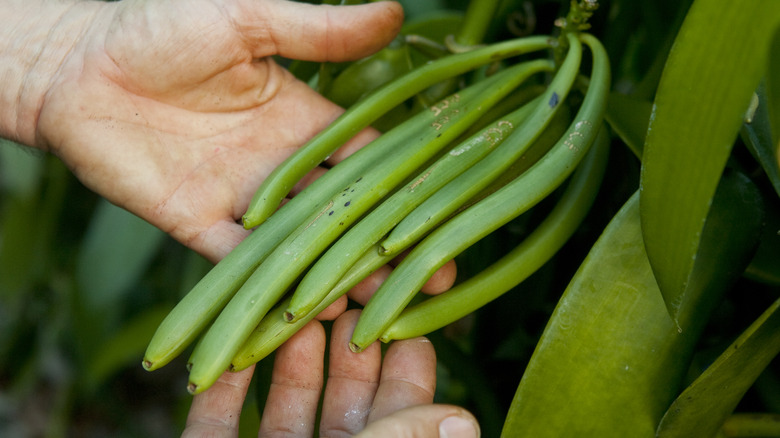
513,268
490,213
210,295
273,330
522,96
274,276
558,125
344,252
368,74
278,184
451,197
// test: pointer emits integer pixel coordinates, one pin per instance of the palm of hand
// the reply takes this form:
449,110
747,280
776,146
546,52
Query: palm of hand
175,111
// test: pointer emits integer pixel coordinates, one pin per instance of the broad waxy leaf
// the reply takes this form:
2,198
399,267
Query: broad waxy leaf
628,117
611,359
703,407
717,61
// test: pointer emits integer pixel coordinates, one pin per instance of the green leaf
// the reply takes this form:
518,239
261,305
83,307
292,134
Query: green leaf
629,117
752,425
704,406
611,360
717,61
773,87
765,266
757,135
115,254
610,357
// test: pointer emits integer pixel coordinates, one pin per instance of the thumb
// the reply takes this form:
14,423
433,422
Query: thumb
317,32
424,421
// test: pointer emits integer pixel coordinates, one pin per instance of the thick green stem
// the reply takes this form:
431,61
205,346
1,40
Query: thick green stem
576,21
476,22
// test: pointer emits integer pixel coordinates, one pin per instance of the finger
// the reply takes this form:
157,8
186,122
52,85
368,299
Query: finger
444,421
333,311
441,280
364,290
408,377
317,33
216,411
352,381
291,406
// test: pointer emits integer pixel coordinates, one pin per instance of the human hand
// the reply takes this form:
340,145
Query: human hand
365,396
175,110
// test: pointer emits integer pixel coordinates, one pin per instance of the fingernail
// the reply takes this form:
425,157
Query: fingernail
457,427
